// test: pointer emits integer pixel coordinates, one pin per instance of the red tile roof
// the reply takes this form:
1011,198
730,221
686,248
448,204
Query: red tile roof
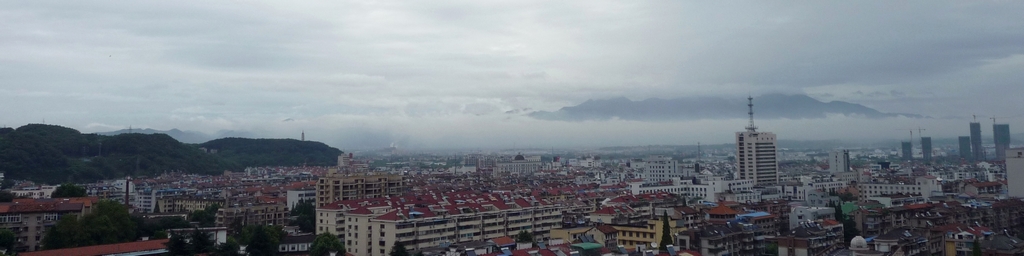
503,241
722,210
106,249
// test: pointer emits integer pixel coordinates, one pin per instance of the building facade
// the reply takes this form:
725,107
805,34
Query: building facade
1001,134
979,152
337,186
1015,171
965,147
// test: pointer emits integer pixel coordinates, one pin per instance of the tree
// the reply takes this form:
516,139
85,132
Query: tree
229,248
8,239
666,233
200,242
839,216
262,240
7,183
177,246
849,230
206,217
772,249
325,243
524,237
6,196
109,222
160,235
305,213
68,190
398,250
67,233
976,248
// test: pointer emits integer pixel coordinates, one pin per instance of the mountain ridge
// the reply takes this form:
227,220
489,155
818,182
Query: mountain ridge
55,154
768,106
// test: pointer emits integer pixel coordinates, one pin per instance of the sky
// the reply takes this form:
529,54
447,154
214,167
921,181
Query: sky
444,74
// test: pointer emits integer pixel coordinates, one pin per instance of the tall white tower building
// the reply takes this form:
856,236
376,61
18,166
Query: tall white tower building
756,155
1015,171
839,161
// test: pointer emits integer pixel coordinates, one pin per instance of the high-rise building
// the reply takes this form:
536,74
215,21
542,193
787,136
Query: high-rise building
1001,133
979,152
908,151
965,147
926,148
337,185
839,161
756,153
1015,171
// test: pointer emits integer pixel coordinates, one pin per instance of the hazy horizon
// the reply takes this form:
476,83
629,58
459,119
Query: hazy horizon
466,74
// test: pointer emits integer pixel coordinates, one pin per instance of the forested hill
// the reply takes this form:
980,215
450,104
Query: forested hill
273,152
54,154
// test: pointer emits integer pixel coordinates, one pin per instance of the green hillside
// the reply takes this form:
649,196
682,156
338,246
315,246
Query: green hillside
273,152
53,154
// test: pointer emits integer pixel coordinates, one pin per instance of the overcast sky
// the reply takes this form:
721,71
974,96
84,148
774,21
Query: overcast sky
364,74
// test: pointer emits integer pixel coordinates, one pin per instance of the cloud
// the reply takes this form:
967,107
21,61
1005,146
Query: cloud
222,66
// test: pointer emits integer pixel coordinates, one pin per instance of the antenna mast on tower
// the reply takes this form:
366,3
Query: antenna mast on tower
750,105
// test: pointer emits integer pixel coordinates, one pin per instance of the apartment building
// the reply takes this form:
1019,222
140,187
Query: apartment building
371,226
731,238
185,203
29,219
253,214
337,185
923,185
817,238
34,192
662,168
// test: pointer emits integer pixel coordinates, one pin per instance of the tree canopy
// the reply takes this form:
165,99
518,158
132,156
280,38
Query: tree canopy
55,154
206,217
8,239
305,216
666,233
398,250
524,237
68,190
109,222
262,240
325,243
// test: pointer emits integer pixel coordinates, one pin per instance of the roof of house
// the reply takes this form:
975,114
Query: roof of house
105,249
722,210
503,241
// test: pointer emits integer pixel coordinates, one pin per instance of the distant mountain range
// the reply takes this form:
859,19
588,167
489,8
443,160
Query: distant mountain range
769,106
191,137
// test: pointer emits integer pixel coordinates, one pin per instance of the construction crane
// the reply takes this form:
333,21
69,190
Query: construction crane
911,132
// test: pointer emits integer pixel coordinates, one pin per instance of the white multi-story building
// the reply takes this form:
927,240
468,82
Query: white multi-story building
519,165
924,185
663,168
839,161
756,154
373,226
710,189
1015,172
295,196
